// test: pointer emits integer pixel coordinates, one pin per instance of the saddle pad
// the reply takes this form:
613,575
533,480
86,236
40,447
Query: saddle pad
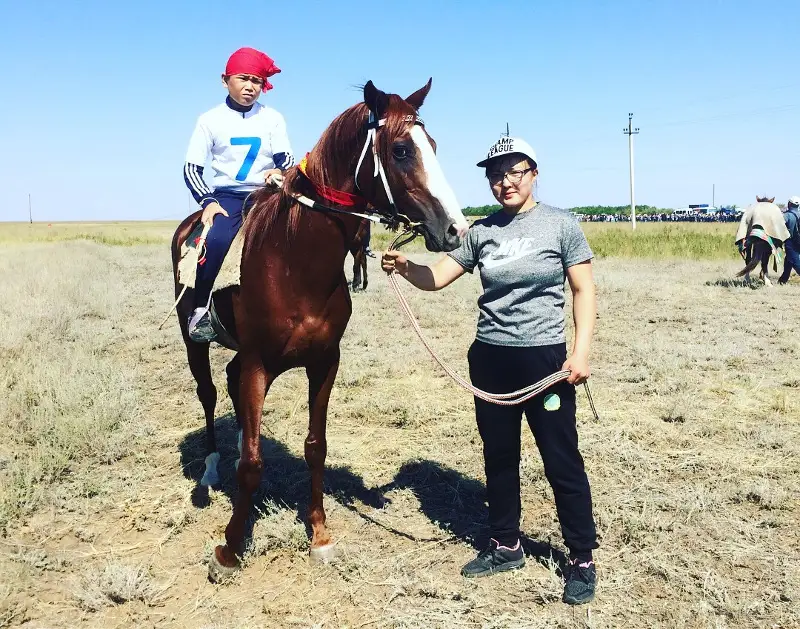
229,274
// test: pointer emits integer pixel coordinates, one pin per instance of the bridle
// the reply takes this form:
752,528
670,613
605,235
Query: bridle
389,216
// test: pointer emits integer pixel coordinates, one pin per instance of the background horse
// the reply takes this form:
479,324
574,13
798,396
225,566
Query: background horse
761,234
293,304
358,249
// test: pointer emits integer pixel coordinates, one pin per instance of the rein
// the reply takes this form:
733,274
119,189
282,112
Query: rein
502,399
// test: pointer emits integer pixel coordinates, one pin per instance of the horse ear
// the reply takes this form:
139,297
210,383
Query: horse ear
418,97
376,100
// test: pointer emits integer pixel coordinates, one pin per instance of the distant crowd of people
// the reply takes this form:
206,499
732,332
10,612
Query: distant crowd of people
730,216
791,215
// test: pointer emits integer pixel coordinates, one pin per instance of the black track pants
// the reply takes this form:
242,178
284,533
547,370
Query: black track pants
551,417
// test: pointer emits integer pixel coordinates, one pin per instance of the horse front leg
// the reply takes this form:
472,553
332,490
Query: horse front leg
320,382
255,382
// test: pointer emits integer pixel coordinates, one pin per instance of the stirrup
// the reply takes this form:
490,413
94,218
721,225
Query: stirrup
201,329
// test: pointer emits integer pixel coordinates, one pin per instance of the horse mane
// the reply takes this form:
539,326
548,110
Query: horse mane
331,162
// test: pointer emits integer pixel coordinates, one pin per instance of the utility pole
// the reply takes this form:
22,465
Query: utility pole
630,132
508,133
30,212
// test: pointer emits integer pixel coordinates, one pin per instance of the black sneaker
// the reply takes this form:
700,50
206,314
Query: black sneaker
370,253
495,558
579,582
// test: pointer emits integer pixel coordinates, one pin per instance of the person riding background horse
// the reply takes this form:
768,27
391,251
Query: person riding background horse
524,254
249,147
791,247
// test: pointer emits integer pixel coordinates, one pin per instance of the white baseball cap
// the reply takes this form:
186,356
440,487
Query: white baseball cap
794,201
507,145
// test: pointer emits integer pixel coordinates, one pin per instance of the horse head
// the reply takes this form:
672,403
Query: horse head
414,183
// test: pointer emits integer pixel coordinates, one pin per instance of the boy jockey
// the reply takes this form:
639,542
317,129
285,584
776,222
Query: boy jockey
249,147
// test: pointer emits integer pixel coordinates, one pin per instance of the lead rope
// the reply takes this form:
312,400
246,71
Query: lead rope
502,399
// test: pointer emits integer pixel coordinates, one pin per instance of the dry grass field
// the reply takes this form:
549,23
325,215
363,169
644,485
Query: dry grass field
694,464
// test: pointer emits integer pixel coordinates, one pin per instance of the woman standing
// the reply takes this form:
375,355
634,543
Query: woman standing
524,253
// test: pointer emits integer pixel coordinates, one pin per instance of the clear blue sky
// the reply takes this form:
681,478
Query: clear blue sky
99,98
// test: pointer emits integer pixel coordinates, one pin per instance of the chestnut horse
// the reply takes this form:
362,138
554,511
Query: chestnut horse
293,303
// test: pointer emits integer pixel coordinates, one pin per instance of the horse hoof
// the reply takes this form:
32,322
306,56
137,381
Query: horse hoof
218,572
322,554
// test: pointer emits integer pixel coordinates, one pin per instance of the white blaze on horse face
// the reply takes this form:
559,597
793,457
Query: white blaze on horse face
437,184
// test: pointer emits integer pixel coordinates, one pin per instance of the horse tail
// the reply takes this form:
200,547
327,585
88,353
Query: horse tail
751,266
758,251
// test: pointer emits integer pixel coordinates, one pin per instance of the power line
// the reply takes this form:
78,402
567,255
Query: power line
733,114
597,137
705,101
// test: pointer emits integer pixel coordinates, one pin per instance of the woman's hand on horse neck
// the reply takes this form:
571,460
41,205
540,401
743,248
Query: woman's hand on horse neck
434,277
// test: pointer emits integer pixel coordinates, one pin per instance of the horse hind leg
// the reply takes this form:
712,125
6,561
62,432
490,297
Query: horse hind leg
233,371
320,382
765,270
200,366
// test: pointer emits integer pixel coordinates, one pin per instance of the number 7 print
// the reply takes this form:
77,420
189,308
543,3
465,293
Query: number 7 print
255,145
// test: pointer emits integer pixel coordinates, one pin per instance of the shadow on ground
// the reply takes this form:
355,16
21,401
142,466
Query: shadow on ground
454,502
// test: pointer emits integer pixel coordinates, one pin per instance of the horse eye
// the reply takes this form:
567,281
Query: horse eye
400,152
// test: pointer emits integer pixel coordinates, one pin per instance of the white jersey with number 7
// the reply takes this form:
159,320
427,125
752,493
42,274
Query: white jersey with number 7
242,145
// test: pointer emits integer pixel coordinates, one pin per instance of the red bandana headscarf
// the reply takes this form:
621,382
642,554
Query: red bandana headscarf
252,61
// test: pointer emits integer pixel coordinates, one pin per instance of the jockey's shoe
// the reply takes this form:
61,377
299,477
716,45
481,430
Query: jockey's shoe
200,328
370,253
580,579
495,558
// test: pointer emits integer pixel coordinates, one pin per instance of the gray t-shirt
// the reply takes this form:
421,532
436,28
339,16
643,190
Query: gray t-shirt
522,261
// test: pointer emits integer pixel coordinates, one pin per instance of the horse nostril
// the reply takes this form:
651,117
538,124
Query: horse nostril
455,230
